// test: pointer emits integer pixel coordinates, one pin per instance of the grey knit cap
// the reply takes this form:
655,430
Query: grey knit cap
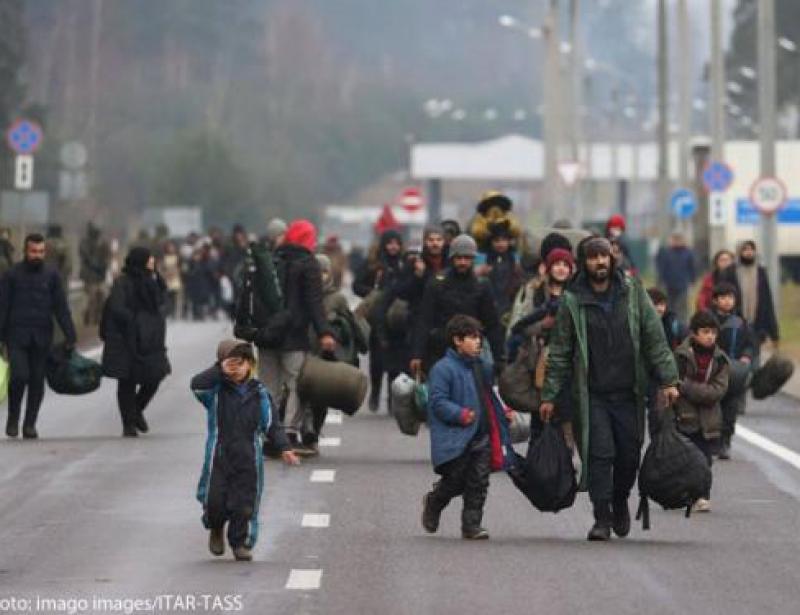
463,245
275,228
227,347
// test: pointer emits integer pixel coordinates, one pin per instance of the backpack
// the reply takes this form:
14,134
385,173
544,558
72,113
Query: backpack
546,476
674,472
261,314
771,377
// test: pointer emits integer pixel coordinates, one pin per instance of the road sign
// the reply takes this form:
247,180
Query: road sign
24,137
717,177
411,199
768,194
717,209
683,204
74,155
23,173
569,171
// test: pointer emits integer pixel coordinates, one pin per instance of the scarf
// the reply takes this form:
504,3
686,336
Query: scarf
747,276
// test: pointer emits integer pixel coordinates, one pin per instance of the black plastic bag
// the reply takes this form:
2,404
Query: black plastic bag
547,475
674,472
69,373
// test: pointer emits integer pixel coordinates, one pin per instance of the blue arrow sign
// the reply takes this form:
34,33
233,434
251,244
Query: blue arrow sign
717,177
682,204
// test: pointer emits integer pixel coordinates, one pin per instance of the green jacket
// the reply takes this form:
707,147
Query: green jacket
569,355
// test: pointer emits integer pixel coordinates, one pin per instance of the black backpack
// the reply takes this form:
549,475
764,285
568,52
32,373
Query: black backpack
546,475
674,472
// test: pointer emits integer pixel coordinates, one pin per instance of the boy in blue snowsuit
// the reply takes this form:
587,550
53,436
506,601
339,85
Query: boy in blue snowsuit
239,415
469,429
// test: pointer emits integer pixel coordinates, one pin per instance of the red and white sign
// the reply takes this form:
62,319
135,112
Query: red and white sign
768,195
411,199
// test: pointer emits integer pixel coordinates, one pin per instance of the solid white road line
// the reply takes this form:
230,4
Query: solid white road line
316,520
304,579
330,442
765,444
323,476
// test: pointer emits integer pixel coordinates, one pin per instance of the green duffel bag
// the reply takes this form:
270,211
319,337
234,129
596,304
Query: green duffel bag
332,384
70,373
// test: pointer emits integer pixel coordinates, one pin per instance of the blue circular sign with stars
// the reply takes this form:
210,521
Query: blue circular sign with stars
717,177
24,137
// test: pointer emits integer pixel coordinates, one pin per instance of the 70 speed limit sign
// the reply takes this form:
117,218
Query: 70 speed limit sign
768,195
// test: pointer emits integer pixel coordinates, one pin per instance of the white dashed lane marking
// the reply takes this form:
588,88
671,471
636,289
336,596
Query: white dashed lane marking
323,476
334,418
316,520
330,442
304,579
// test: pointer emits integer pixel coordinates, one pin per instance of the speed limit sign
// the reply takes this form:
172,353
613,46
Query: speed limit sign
768,195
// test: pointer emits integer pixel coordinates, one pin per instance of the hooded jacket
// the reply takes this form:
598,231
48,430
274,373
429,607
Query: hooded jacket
381,270
698,407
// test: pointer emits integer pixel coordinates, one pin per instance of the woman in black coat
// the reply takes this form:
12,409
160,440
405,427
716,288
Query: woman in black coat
134,331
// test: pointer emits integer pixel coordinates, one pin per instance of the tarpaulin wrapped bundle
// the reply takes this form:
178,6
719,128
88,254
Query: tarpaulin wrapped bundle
403,404
332,384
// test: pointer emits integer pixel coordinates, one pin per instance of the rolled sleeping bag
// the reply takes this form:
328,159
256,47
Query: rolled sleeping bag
771,377
332,384
403,402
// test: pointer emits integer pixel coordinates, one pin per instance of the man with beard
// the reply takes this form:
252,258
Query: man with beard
607,340
455,291
754,295
31,295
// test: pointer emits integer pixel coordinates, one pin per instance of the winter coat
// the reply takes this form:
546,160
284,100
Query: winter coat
676,268
505,278
450,293
134,330
237,418
29,300
380,271
568,361
674,330
95,257
735,337
452,389
698,407
766,322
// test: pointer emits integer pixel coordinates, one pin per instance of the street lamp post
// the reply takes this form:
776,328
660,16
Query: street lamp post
662,214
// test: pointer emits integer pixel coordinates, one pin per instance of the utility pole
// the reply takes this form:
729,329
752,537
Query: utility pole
717,108
662,192
552,112
685,115
767,71
575,82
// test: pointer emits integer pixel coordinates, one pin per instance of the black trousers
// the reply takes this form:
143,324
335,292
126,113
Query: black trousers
232,499
133,397
467,476
27,363
614,449
708,448
732,406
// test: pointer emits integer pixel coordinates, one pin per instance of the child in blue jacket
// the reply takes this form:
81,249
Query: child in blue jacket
239,414
469,429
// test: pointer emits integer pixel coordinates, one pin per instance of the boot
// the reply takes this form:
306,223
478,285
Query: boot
474,533
29,432
374,400
216,541
12,427
471,525
242,554
140,424
129,431
601,530
622,517
725,447
430,516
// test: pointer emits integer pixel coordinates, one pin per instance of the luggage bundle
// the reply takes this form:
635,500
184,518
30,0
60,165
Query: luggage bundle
69,373
332,384
770,377
674,472
409,403
546,476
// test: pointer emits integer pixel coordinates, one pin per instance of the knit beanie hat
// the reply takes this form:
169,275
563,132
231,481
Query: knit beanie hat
559,254
275,229
616,221
302,233
463,245
432,229
229,348
551,242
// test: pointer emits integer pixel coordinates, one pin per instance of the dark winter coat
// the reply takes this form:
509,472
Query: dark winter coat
380,271
735,337
676,268
301,284
450,293
95,256
134,330
29,300
698,407
568,362
766,322
452,389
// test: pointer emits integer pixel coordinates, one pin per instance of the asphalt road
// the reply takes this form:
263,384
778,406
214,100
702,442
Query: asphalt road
86,515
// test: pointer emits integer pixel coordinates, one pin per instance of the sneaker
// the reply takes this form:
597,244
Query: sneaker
702,505
29,432
242,554
12,429
140,424
216,541
622,519
474,533
430,518
306,450
129,431
599,532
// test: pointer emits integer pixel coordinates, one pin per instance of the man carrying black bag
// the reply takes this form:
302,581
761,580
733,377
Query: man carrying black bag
607,339
31,295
